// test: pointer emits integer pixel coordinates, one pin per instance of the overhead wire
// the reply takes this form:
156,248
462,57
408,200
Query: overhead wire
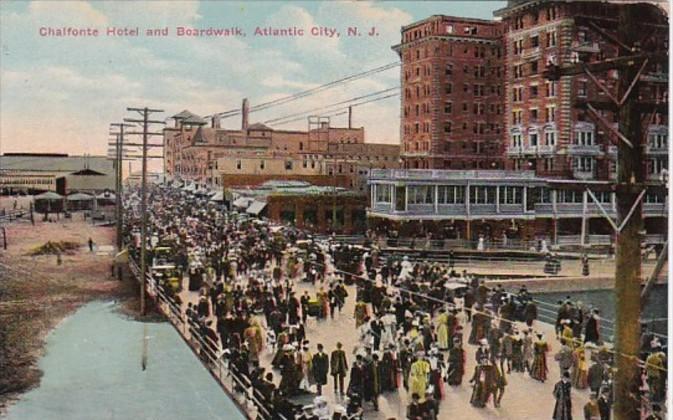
341,112
308,92
357,98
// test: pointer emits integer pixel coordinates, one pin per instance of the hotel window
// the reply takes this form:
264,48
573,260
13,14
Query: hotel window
569,196
516,117
549,164
261,164
518,46
551,114
582,88
450,194
551,39
478,90
482,195
517,94
533,115
420,194
533,91
603,197
543,194
551,13
449,88
657,141
511,195
288,165
535,41
550,88
447,127
655,196
533,138
383,193
584,137
656,166
584,164
480,108
550,138
238,165
448,107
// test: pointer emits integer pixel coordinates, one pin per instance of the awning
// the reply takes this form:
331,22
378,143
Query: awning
79,197
106,196
256,207
242,202
217,197
49,195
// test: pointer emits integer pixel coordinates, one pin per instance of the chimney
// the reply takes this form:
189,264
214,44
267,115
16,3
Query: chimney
215,121
244,114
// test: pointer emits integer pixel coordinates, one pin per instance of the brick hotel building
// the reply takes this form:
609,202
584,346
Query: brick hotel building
452,84
474,95
531,144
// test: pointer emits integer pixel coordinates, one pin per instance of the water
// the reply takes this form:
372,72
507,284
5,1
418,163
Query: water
604,300
92,370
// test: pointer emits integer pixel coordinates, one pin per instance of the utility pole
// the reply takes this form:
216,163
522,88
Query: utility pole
119,148
630,183
637,34
145,112
334,192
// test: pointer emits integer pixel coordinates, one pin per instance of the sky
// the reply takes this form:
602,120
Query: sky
60,94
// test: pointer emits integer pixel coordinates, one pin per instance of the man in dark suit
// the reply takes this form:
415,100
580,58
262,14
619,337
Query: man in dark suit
338,368
320,368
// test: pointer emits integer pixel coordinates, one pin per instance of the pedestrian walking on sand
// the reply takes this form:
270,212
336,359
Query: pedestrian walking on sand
90,245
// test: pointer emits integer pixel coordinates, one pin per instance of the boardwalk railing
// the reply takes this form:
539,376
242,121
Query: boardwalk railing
237,386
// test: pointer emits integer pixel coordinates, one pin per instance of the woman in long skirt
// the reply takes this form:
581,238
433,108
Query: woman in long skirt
580,371
539,369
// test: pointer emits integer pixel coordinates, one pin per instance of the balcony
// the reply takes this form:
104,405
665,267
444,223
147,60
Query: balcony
514,150
530,52
656,177
546,149
540,149
656,150
584,149
449,175
583,174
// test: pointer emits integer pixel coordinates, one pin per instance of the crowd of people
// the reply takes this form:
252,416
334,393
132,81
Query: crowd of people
410,319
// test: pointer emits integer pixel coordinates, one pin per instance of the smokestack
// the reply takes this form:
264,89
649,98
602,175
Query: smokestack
350,116
215,121
244,114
